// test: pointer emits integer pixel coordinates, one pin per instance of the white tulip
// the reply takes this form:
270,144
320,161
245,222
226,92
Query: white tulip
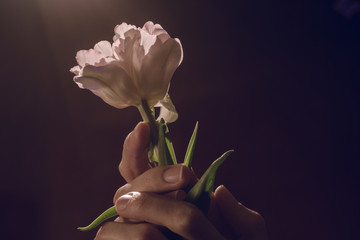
136,67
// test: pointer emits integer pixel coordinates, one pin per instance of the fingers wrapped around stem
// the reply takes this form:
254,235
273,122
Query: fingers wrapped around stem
180,217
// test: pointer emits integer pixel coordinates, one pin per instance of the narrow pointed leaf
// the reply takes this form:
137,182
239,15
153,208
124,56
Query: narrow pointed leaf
200,193
191,147
109,213
170,149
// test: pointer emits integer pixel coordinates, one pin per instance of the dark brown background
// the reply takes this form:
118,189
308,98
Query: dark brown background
278,81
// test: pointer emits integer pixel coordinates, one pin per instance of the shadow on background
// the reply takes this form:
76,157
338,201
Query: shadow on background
278,82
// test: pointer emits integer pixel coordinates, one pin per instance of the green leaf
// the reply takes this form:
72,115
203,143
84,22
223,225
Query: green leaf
200,193
170,149
109,213
191,147
153,155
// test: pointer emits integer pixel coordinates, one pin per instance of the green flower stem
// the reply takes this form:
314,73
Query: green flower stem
161,146
109,213
147,116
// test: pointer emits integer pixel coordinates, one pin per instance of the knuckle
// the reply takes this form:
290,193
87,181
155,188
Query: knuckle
138,200
135,201
186,218
121,191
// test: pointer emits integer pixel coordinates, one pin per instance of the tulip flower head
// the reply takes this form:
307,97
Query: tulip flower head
136,67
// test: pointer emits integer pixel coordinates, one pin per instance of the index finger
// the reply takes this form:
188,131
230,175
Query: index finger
135,152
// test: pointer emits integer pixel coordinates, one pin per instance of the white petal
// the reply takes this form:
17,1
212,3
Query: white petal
76,69
156,29
88,57
121,29
104,47
111,83
157,69
147,41
118,48
148,26
102,90
182,52
130,53
167,110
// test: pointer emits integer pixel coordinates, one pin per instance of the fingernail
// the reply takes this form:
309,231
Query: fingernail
173,174
123,201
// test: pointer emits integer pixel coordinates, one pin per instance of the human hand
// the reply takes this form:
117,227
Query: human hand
233,220
228,219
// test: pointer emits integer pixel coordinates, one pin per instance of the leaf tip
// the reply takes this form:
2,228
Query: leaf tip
227,153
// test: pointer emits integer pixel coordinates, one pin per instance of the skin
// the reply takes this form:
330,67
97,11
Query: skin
151,203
